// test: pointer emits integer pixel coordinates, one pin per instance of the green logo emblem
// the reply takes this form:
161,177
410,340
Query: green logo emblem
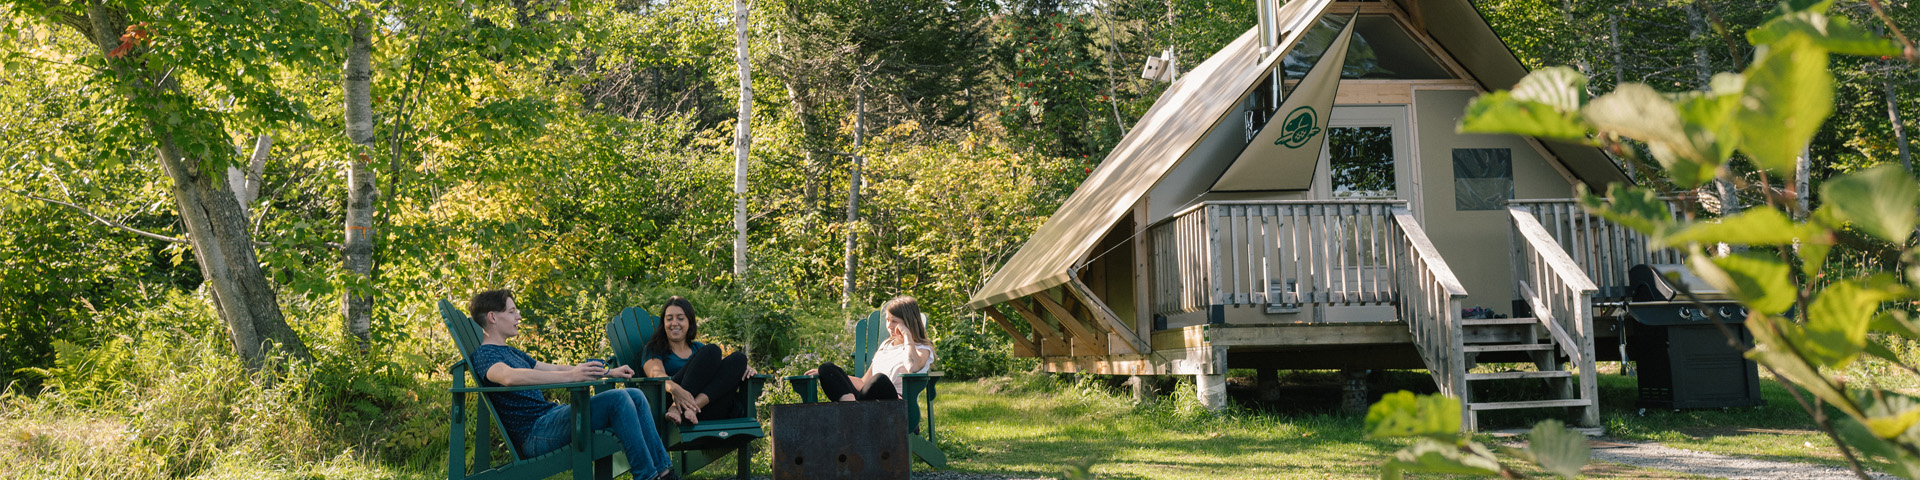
1299,127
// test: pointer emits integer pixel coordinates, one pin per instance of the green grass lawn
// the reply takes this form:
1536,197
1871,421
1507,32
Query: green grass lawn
1035,426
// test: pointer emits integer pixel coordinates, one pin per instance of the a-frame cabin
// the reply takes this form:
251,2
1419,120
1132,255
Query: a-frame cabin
1366,259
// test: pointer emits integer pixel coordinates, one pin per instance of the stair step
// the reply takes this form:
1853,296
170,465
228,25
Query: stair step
1524,347
1571,402
1506,375
1476,322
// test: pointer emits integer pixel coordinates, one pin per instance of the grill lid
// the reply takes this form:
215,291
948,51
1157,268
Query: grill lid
1663,283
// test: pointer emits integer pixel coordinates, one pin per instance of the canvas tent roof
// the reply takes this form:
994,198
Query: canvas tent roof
1195,105
1185,113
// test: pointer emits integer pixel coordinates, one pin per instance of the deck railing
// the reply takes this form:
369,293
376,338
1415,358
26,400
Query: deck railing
1560,295
1602,248
1430,304
1275,253
1296,253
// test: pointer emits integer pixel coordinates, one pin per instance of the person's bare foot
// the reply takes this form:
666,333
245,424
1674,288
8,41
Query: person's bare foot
688,416
673,413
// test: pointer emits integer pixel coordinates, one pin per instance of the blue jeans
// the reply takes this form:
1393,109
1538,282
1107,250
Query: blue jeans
624,412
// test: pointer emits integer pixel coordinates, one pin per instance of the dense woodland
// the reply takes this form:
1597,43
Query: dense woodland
200,194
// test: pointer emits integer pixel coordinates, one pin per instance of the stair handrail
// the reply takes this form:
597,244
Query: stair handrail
1430,304
1561,296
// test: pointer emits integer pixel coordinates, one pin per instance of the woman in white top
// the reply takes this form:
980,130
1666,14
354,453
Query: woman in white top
906,350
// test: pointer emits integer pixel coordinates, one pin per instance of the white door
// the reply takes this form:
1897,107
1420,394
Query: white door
1367,156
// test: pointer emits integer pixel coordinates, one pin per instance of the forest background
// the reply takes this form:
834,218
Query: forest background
391,154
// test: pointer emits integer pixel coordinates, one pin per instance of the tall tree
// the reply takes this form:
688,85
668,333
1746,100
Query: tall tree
362,185
742,138
151,55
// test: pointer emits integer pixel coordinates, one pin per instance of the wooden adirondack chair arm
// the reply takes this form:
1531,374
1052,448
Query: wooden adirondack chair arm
544,386
807,386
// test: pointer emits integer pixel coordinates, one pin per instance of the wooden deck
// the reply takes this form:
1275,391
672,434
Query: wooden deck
1245,284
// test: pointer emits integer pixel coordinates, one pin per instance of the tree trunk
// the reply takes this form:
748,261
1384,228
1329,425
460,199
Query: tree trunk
362,185
742,139
1703,71
217,230
853,185
1899,130
246,183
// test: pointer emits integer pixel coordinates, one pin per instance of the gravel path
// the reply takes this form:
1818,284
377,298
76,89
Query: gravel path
1654,455
1643,455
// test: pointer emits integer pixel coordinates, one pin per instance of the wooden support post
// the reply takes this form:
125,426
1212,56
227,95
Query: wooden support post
1267,380
1135,344
1095,344
1022,347
1051,340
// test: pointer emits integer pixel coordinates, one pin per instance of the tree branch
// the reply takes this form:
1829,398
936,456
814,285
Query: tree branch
98,218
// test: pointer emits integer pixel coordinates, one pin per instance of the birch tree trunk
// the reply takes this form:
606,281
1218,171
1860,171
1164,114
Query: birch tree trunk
1703,71
853,185
222,244
742,139
362,186
1899,129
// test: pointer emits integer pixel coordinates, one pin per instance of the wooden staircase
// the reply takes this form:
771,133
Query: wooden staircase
1517,340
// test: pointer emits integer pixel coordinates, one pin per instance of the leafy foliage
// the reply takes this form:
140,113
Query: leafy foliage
1770,112
1443,449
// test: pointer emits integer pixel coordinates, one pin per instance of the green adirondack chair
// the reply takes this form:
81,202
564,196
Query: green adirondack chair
593,455
867,335
691,446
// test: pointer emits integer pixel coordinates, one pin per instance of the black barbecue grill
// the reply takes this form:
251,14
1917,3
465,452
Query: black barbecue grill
1683,357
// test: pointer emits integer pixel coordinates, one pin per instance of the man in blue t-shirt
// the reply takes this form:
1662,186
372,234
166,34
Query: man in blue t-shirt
537,426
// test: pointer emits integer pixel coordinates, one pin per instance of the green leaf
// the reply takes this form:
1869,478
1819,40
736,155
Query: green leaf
1880,201
1813,254
1758,281
1640,209
1637,111
1499,112
1433,456
1888,415
1562,88
1895,322
1835,34
1558,449
1771,336
1859,436
1788,94
1403,414
1759,226
1837,321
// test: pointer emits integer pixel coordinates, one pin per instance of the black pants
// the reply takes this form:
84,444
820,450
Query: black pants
835,382
717,377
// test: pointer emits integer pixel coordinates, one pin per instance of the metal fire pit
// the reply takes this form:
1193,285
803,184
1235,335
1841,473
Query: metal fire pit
1683,357
841,440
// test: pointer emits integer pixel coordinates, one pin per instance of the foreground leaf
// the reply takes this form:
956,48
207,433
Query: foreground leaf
1499,112
1558,449
1862,438
1759,227
1633,207
1771,348
1638,111
1880,201
1834,33
1759,281
1789,93
1837,324
1403,414
1433,456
